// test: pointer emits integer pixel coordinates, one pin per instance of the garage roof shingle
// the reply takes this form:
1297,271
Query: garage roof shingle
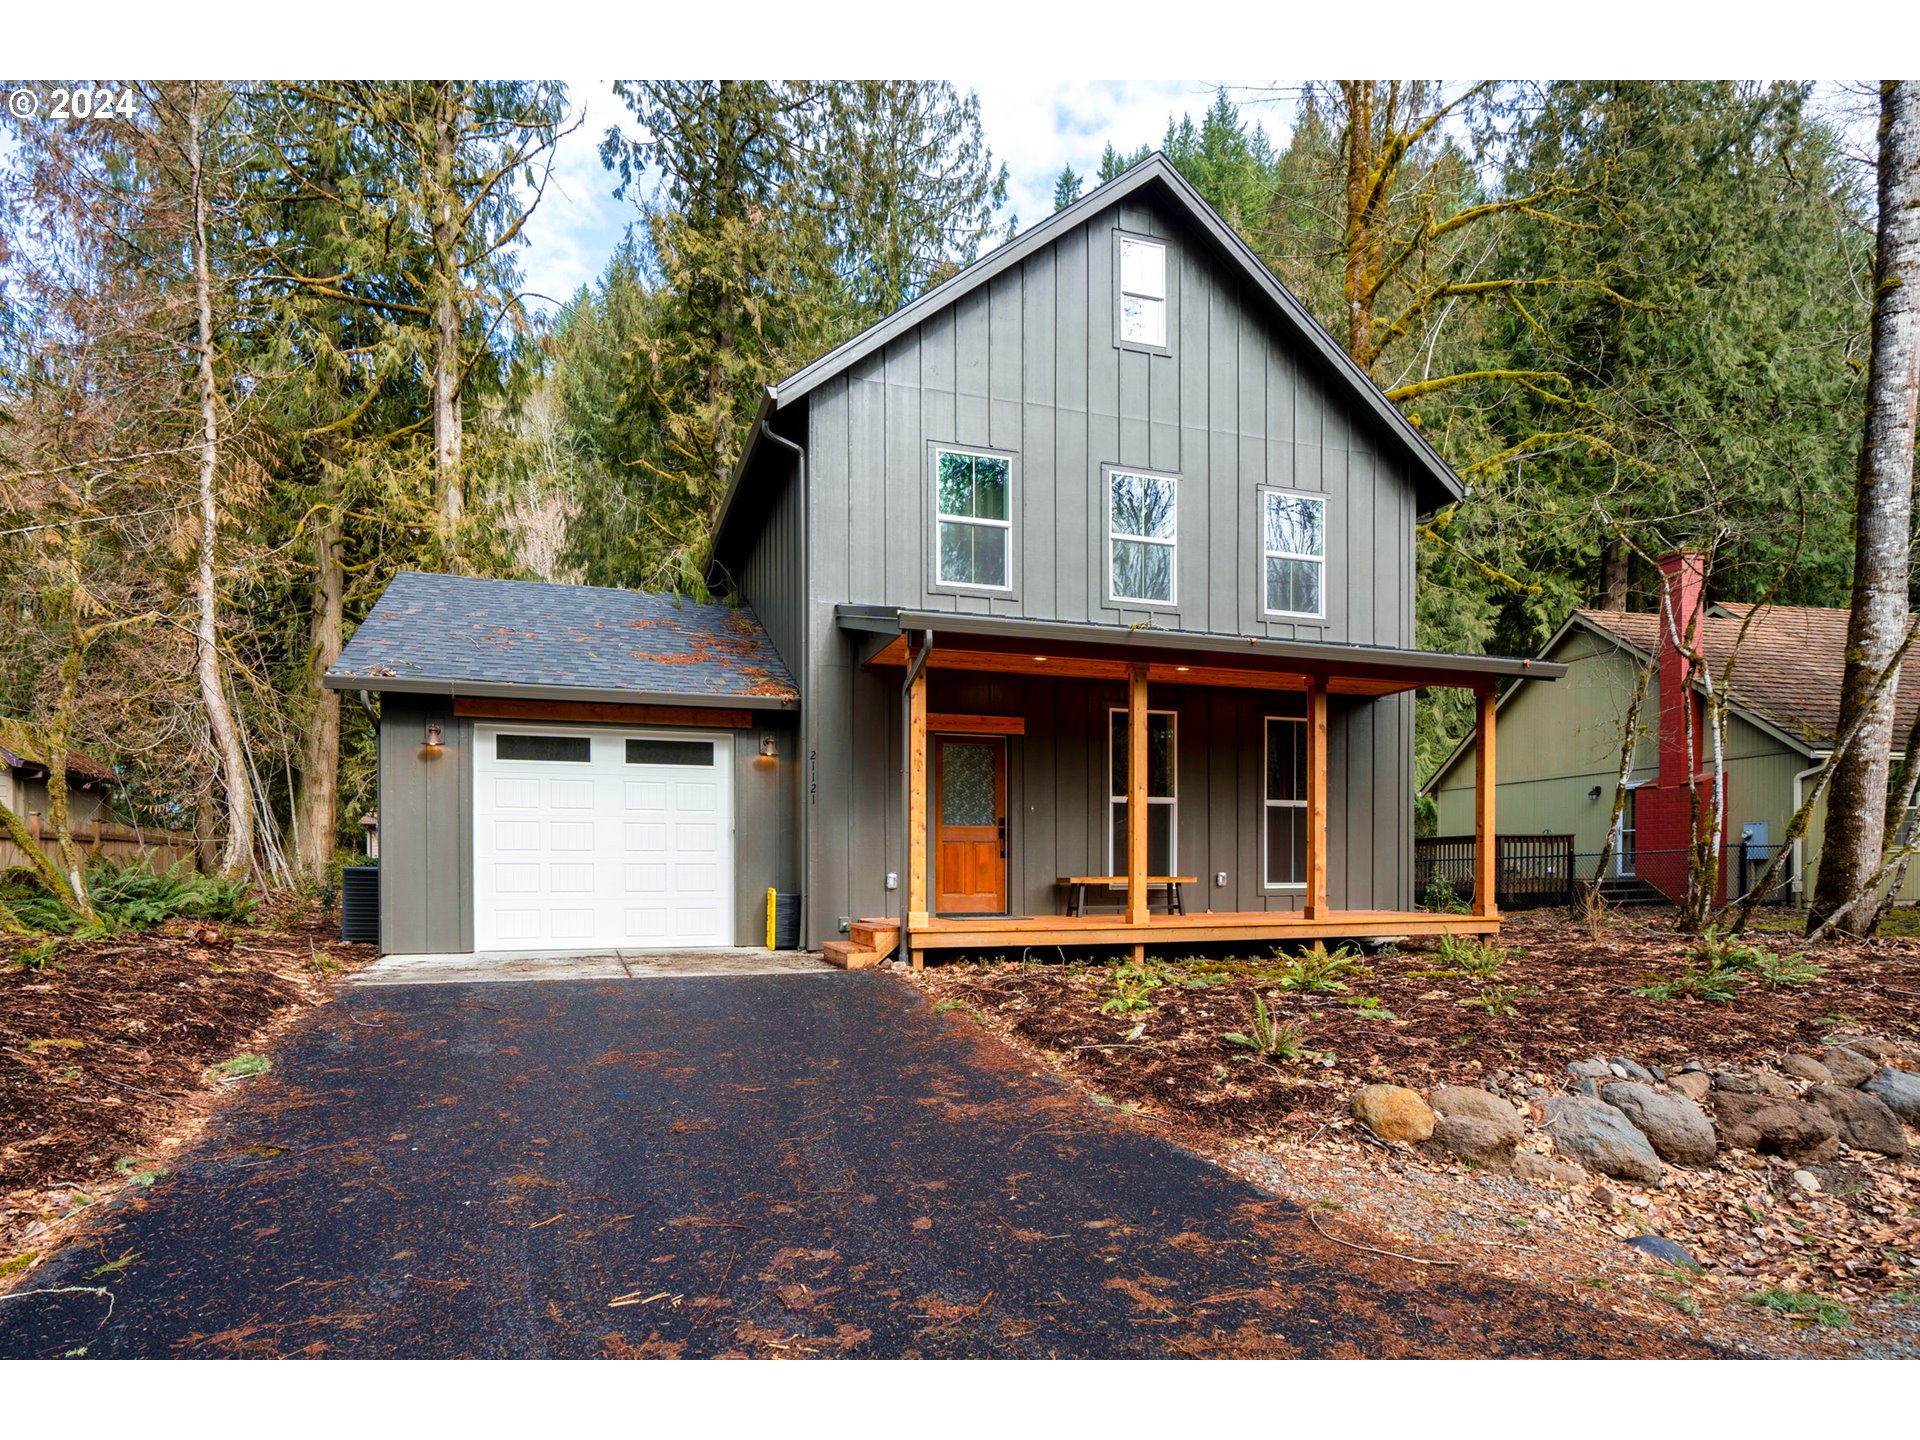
459,634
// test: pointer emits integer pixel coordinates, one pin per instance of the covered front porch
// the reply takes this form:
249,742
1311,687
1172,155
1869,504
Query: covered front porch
1268,682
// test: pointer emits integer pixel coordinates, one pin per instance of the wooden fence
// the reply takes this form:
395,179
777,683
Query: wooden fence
162,848
1532,870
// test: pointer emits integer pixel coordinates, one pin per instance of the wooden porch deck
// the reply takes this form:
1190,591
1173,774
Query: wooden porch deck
995,931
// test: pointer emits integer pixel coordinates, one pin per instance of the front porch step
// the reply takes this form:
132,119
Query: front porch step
881,936
849,956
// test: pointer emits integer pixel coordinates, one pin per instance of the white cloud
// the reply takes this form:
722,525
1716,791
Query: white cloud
578,223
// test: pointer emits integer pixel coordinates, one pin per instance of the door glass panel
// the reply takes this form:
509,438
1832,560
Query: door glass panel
967,789
1286,844
669,752
574,749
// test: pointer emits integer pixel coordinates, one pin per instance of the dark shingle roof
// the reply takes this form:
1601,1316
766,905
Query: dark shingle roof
456,634
20,749
1789,667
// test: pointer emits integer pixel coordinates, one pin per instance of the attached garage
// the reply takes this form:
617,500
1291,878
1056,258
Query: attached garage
575,769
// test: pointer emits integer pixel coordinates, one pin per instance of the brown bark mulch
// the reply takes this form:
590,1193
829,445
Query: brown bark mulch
105,1046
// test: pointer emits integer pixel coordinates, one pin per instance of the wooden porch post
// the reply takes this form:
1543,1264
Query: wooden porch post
1316,898
917,805
1137,796
1486,841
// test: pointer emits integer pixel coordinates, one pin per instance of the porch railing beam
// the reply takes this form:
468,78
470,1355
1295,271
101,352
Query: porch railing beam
1137,913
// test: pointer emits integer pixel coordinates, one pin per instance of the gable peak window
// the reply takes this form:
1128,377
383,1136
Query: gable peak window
1142,527
973,528
1293,542
1143,292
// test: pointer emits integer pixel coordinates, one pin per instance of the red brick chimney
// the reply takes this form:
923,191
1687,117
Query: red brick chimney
1682,611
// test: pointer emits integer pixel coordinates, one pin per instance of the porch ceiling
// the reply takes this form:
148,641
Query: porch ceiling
1109,652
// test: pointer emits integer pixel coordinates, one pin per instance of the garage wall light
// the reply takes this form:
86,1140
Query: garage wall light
434,738
769,748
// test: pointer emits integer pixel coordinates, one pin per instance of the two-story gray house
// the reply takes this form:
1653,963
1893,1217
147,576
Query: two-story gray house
1074,607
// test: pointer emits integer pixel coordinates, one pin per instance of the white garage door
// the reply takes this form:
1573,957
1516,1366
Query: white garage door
589,839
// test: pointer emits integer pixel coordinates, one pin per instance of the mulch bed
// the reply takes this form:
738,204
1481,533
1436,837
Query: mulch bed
1581,1006
106,1046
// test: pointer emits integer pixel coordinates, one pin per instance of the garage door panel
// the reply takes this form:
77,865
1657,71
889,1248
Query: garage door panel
615,839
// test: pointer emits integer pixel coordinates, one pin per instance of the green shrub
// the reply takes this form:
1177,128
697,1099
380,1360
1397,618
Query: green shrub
129,896
1778,972
1800,1304
1133,987
1712,983
1727,952
1441,896
1499,999
1477,959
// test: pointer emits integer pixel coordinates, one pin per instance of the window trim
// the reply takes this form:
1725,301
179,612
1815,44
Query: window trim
1170,308
1260,532
1172,801
937,448
1267,802
1122,602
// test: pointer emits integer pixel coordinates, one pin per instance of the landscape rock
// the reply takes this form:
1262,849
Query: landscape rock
1592,1069
1768,1125
1694,1084
1678,1129
1772,1084
1468,1137
1847,1067
1457,1101
1733,1084
1874,1047
1393,1112
1899,1090
1807,1181
1667,1252
1529,1166
1601,1138
1633,1071
1586,1085
1805,1067
1864,1120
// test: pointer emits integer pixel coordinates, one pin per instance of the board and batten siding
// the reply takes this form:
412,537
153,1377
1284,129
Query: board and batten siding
765,555
1027,365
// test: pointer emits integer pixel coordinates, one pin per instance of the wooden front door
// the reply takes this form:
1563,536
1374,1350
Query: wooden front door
970,825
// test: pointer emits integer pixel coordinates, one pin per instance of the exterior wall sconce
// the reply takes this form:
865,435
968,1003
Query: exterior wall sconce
769,748
1594,793
434,738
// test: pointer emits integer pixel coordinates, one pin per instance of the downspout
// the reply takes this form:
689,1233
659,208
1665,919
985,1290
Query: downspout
1800,845
918,664
806,681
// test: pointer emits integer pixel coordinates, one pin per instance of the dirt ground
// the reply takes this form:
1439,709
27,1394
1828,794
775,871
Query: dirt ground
106,1049
1157,1051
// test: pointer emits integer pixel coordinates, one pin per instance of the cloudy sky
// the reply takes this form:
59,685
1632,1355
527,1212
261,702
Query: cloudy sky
1035,127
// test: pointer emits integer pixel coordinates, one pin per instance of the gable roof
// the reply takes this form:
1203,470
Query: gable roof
21,750
458,634
1788,671
1434,479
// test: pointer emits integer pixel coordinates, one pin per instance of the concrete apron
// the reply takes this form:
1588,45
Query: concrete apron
497,966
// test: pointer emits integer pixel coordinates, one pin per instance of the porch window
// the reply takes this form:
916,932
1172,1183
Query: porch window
973,534
1143,292
1286,817
1294,552
1162,789
1142,521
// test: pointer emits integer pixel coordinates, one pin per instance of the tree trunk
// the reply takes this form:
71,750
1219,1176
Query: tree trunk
1356,280
1614,558
56,737
1857,799
444,204
313,811
212,674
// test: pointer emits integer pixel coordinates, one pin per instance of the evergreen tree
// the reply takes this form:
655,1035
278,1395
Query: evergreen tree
1066,189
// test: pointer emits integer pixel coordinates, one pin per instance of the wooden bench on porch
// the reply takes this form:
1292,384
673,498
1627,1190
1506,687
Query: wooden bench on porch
1076,888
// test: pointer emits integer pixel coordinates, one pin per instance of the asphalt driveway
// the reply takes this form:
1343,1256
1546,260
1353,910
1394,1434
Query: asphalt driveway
778,1165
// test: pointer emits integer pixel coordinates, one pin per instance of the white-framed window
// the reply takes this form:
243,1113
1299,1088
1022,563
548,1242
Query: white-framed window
1143,292
1162,791
973,524
1293,553
1284,836
1143,521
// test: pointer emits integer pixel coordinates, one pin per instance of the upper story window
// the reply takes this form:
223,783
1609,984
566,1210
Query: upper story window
1142,524
1143,292
1294,553
973,534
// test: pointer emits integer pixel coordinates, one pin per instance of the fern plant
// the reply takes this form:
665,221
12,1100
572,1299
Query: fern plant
1276,1039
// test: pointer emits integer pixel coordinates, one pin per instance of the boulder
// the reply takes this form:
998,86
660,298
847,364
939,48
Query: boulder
1733,1083
1805,1067
1393,1112
1694,1084
1678,1129
1769,1125
1591,1069
1772,1084
1899,1091
1629,1070
1601,1138
1847,1067
1874,1047
1864,1120
1468,1137
1529,1166
1667,1252
1460,1102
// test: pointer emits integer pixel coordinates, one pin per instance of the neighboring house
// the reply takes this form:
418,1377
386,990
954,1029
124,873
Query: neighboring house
1560,745
1095,562
24,775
